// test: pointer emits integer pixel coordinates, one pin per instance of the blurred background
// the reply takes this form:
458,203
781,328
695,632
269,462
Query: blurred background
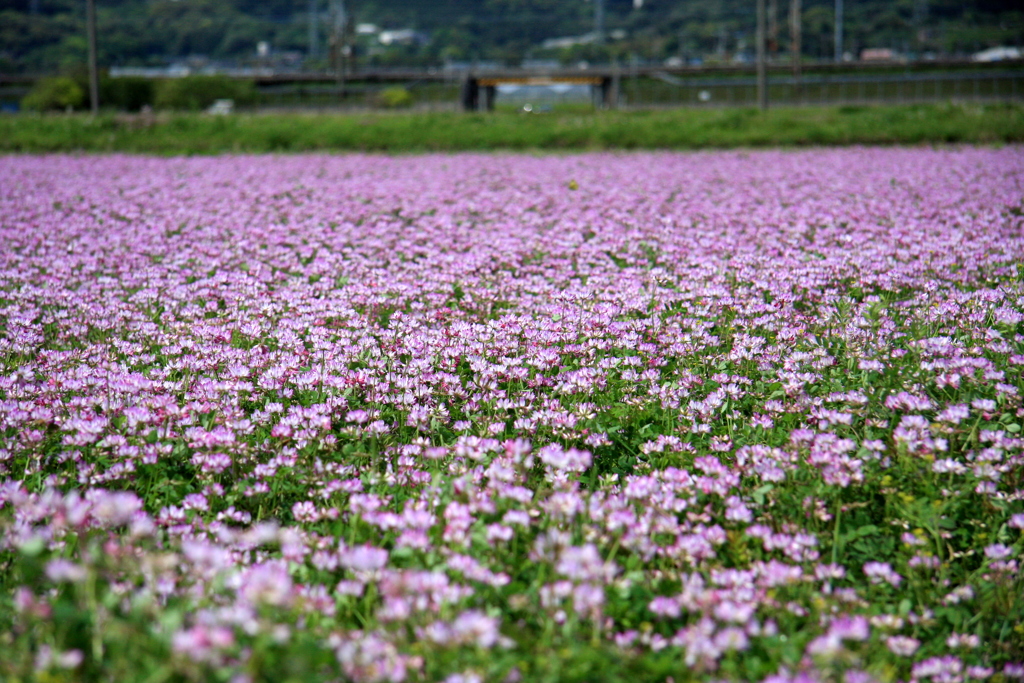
533,54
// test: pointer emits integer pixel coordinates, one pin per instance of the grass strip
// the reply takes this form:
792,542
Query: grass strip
449,131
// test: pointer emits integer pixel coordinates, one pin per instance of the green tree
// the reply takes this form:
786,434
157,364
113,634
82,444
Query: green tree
56,93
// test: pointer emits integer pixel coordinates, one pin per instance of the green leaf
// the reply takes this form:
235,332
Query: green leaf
759,493
860,532
32,546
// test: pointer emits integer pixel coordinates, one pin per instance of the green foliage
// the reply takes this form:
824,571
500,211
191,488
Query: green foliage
415,132
394,98
132,31
56,93
195,93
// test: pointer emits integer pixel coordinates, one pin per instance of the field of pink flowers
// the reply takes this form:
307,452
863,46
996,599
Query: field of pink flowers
605,417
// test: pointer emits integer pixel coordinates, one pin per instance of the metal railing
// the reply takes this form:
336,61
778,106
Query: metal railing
666,90
650,86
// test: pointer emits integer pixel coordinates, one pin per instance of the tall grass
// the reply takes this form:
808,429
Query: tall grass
439,131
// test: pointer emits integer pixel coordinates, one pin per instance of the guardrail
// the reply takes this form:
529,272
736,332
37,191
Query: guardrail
668,90
640,85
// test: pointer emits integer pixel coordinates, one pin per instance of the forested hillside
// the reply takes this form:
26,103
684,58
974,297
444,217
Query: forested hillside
48,35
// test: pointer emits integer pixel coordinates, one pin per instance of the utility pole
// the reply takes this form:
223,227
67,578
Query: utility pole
795,48
313,29
920,16
762,75
94,76
839,31
599,22
338,38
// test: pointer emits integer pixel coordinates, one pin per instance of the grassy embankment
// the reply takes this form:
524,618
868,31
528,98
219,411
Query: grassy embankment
419,132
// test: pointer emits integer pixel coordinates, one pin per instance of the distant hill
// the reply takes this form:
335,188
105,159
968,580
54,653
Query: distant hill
48,35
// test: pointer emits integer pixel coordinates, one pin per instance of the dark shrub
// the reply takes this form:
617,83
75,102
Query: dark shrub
129,93
194,93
